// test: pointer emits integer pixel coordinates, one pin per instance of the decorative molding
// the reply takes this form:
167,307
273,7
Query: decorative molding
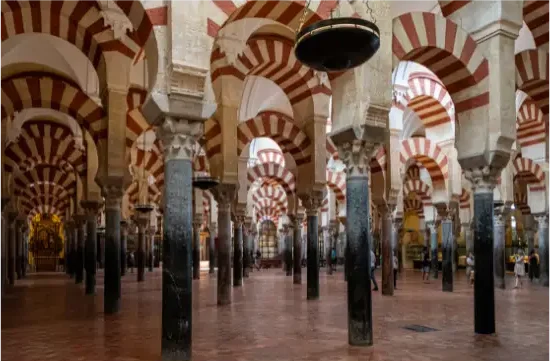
483,179
377,116
117,20
179,138
187,80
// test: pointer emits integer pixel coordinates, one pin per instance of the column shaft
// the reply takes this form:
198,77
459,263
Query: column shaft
11,251
141,252
195,258
387,287
238,252
212,251
484,310
543,249
289,254
359,295
447,236
313,287
176,341
150,237
297,250
79,255
124,235
90,255
18,248
112,274
434,252
498,253
224,275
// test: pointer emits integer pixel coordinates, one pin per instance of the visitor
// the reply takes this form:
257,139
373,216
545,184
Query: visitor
426,265
333,265
258,261
533,265
470,263
395,270
373,270
130,261
519,268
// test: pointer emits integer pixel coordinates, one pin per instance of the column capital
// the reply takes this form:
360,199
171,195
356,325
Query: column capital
179,138
483,179
386,210
113,194
542,219
312,200
225,194
79,219
197,221
141,221
498,220
91,208
239,219
432,225
356,145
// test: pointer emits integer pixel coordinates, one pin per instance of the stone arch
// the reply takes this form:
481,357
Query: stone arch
531,127
152,161
274,171
532,76
449,52
414,205
450,7
44,173
45,204
530,173
271,156
154,193
421,189
465,197
535,15
281,129
276,194
337,183
45,142
45,91
136,123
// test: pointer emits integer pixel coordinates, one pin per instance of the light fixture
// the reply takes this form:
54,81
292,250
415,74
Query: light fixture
336,44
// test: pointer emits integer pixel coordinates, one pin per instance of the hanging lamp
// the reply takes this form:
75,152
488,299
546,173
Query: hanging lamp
204,182
336,44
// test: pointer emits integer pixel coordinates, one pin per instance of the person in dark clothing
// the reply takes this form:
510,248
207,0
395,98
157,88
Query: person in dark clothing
426,265
533,266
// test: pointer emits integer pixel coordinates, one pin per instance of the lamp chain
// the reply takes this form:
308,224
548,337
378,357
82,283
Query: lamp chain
303,16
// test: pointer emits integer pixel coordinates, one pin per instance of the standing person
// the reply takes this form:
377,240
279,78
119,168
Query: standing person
395,269
130,261
426,265
519,268
533,265
258,262
334,260
373,270
470,263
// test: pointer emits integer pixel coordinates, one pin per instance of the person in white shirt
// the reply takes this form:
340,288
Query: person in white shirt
395,270
373,270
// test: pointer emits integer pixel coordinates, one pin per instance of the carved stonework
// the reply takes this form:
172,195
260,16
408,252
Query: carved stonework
312,201
179,138
231,44
91,208
116,20
377,116
322,78
498,220
356,156
113,195
186,80
225,195
483,179
542,220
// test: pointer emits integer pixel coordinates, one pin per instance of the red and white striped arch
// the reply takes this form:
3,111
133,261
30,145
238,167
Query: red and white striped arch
276,194
272,57
530,173
44,204
421,189
531,127
429,99
45,174
337,183
273,171
448,51
414,205
271,156
532,76
429,155
449,7
325,205
379,162
154,193
413,172
535,15
39,188
45,142
206,200
281,129
151,161
136,123
331,150
47,91
520,198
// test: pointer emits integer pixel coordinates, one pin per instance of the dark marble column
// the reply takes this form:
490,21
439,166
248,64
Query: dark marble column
239,218
179,140
312,202
12,240
212,250
468,236
90,247
224,195
483,183
112,275
288,250
5,236
447,239
542,219
18,247
124,236
79,253
150,239
70,231
24,249
196,246
434,249
101,247
498,254
296,222
386,214
142,222
247,247
356,154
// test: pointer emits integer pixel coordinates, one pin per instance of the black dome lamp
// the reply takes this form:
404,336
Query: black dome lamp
204,182
336,44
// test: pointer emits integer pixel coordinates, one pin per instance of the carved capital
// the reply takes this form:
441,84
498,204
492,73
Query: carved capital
483,179
542,219
91,208
498,220
116,20
197,221
141,221
179,138
312,201
80,220
356,156
225,194
113,195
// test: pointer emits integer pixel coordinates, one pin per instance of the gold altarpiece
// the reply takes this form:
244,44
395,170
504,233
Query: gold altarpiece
46,242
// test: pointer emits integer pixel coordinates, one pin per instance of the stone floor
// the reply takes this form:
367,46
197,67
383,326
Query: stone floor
47,317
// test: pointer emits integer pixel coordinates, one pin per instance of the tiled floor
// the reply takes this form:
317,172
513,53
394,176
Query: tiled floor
47,317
